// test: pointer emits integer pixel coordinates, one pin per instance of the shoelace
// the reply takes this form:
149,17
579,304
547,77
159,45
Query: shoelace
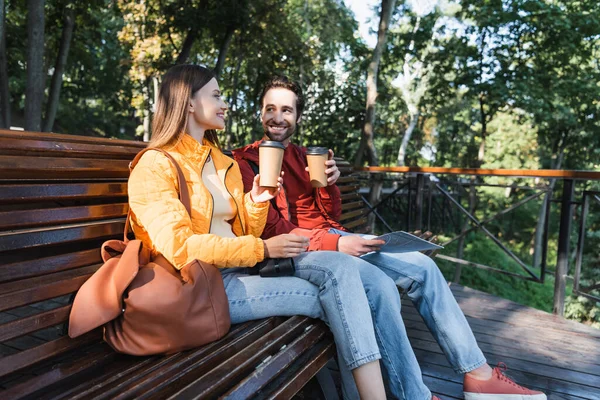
500,369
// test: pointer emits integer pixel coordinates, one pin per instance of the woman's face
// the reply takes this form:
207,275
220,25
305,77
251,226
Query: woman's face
207,107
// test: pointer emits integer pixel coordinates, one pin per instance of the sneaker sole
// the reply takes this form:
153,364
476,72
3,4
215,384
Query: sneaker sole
487,396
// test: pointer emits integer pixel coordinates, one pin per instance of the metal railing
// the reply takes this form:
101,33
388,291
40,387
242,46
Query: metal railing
432,199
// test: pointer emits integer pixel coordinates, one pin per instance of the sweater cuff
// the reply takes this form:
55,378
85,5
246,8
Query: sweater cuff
330,241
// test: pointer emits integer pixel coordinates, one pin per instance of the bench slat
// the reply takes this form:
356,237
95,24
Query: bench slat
34,323
65,215
17,167
16,193
356,223
345,179
27,358
349,188
29,238
307,366
352,205
95,357
348,215
188,366
280,362
223,376
49,265
59,137
25,292
44,148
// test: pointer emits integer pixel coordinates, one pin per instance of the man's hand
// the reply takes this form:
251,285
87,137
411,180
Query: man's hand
332,171
260,194
286,245
357,246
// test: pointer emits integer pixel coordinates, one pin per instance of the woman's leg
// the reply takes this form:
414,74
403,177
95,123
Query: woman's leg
324,287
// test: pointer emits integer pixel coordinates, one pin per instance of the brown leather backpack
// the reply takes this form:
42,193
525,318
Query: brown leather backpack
147,306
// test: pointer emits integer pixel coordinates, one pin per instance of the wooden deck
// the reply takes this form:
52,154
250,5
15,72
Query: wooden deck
542,351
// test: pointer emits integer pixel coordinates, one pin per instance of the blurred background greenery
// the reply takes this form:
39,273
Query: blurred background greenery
463,83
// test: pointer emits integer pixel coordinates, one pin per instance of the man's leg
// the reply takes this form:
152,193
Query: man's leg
424,284
401,369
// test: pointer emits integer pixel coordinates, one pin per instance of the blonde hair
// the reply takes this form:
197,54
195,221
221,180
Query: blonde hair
170,120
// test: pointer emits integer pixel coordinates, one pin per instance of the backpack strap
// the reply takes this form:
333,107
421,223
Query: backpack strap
184,193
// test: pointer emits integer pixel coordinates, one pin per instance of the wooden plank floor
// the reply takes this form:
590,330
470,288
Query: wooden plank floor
542,351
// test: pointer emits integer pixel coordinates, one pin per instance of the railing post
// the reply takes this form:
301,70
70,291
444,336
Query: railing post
562,262
581,241
419,203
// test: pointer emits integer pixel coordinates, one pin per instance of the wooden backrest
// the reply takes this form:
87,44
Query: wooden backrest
354,209
61,196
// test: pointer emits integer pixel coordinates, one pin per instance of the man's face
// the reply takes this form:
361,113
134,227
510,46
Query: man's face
279,114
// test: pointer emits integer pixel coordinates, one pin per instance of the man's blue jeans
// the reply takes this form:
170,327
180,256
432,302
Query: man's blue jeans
423,282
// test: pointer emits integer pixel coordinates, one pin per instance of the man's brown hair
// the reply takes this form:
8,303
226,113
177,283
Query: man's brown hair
282,81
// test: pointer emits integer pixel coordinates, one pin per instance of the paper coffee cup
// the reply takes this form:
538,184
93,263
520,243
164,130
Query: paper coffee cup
270,154
316,157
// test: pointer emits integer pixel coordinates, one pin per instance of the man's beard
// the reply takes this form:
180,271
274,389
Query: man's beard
290,131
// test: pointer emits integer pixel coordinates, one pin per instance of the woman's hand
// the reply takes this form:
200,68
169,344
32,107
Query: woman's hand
286,245
260,194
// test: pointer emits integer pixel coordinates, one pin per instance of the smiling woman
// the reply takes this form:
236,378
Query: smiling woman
207,110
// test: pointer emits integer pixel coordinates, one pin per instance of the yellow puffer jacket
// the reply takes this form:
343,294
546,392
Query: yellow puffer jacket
162,223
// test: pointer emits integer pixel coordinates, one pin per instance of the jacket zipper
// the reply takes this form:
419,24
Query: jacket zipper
212,205
234,201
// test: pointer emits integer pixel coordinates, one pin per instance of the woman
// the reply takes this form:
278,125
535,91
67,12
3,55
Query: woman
225,226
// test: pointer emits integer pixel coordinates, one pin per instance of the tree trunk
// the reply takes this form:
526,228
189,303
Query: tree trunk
367,144
481,154
156,86
223,50
34,90
186,48
147,110
59,68
4,94
2,20
233,102
411,127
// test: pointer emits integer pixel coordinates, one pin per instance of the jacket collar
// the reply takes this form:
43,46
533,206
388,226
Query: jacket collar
192,149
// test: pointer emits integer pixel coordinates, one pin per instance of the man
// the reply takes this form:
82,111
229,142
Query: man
303,210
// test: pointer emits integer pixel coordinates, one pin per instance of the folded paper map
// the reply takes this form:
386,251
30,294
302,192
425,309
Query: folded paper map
403,242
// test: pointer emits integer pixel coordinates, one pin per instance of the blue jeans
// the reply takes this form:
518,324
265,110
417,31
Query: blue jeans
326,285
421,279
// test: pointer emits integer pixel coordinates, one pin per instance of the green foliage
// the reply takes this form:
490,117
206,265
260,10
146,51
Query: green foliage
584,310
481,249
497,83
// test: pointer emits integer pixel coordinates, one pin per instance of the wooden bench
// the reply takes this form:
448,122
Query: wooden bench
61,196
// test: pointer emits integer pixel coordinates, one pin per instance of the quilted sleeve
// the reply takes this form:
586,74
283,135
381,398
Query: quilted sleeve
154,202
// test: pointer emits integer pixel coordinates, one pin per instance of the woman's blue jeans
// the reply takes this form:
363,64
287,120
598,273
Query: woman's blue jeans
326,285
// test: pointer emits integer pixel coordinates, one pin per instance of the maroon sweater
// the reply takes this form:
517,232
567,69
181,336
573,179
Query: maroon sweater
299,205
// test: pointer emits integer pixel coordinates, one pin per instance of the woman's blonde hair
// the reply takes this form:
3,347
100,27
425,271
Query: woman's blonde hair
179,84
